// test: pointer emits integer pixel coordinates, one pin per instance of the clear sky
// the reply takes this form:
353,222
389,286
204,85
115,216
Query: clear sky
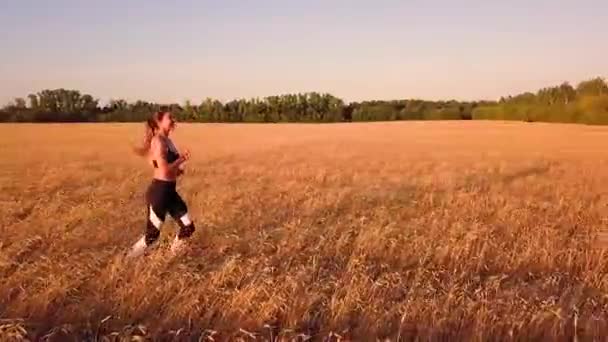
164,51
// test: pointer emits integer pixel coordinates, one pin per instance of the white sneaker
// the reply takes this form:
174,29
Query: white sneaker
138,249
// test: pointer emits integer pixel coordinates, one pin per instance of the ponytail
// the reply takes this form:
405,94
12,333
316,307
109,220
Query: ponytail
150,130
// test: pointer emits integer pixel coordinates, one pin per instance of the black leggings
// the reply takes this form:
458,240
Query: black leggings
162,198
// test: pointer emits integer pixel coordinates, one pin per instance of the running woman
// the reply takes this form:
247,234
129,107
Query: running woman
161,196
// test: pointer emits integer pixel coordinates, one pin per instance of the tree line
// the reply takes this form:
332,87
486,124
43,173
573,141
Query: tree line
587,103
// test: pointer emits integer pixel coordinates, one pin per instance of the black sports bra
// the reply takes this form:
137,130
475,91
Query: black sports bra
172,154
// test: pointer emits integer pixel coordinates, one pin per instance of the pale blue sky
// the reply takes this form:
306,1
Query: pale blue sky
186,49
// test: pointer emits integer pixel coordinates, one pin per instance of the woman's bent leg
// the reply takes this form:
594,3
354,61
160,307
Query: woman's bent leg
179,212
156,213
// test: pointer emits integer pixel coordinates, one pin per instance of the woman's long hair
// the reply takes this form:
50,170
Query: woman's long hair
151,128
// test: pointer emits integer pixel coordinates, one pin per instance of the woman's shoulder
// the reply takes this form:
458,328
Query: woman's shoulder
158,141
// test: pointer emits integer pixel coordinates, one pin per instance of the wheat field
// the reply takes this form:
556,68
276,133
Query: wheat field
400,231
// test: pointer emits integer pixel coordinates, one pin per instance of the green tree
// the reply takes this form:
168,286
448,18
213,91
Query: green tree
33,101
595,87
20,103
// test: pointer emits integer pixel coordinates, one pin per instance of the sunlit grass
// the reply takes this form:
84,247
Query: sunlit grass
458,231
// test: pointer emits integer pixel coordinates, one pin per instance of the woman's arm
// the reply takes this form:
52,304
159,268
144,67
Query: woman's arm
159,153
180,170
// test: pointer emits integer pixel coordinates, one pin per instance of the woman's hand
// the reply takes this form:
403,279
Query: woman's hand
186,155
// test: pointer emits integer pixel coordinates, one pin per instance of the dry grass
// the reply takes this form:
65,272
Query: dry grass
459,231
